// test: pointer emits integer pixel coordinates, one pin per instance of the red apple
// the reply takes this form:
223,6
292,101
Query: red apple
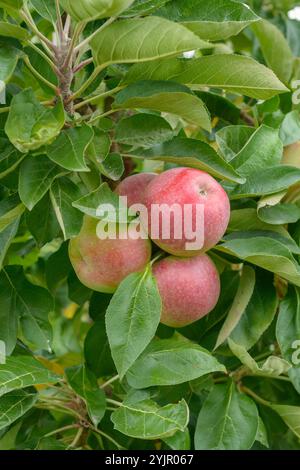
187,187
189,288
134,187
102,265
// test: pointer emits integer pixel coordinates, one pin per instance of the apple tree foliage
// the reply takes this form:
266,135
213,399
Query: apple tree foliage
91,91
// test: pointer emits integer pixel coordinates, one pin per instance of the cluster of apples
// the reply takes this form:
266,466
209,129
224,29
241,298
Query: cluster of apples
188,281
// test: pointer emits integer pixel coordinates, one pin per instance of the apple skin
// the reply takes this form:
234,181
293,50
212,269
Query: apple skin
101,265
189,186
134,187
189,288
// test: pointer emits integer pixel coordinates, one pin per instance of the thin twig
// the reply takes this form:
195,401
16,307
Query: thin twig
5,110
46,57
82,65
110,381
38,75
253,395
98,97
113,402
25,15
60,27
67,26
60,430
76,438
86,84
109,438
88,39
100,116
78,30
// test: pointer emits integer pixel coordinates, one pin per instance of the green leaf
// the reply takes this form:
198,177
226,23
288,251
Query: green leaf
85,10
143,130
130,41
263,150
259,313
273,45
232,139
228,420
99,148
241,300
273,367
68,150
219,106
191,153
170,362
144,7
10,210
142,418
63,193
35,178
24,371
262,435
42,221
234,73
84,383
11,4
45,9
101,362
14,405
13,31
271,180
290,415
112,166
58,268
31,303
212,21
266,252
167,97
132,318
9,57
279,214
8,315
248,220
288,333
6,237
179,441
10,157
290,128
30,125
90,203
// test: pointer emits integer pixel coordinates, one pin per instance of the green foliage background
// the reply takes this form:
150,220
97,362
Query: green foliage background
126,95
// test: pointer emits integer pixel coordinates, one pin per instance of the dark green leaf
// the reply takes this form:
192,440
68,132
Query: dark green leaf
235,73
68,150
84,383
191,153
170,362
212,21
23,371
167,97
14,405
36,176
142,418
129,41
288,333
63,193
132,318
143,130
228,420
30,125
